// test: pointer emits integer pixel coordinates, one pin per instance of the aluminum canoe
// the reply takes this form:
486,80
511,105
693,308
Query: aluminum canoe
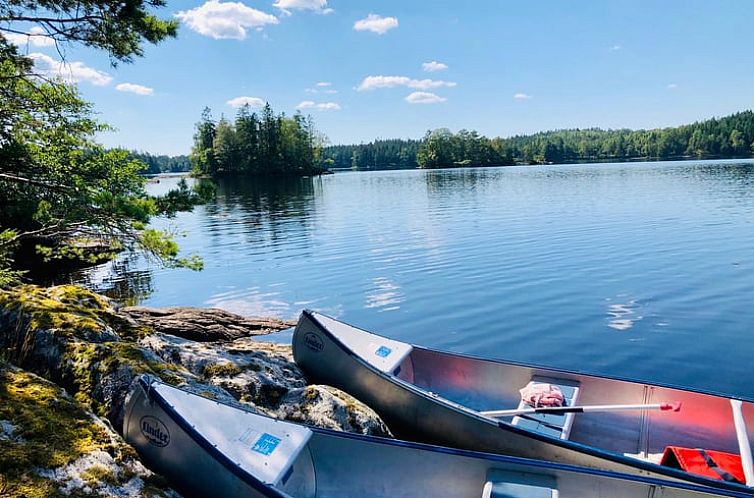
206,449
438,397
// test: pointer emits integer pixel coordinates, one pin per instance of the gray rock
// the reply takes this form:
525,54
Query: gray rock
204,324
331,408
75,338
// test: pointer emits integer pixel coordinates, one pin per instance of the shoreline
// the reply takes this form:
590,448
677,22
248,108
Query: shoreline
83,353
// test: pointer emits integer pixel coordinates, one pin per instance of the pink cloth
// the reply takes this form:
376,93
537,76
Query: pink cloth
537,394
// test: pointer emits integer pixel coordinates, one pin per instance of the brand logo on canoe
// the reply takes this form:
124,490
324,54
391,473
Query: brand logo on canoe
266,444
383,351
155,431
314,342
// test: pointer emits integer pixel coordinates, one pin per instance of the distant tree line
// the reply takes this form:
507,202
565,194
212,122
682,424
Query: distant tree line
731,136
443,149
160,163
256,144
380,154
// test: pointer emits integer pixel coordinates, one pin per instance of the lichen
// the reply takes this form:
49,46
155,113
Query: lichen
68,310
92,363
65,451
225,369
54,429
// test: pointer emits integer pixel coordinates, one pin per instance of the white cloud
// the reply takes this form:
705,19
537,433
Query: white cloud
374,82
72,72
424,98
254,102
615,48
225,20
37,37
319,6
376,24
433,66
134,88
522,96
321,106
322,87
672,86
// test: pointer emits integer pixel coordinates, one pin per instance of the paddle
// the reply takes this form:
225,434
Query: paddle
743,440
676,406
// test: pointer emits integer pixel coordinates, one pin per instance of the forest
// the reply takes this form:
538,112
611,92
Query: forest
155,164
251,144
727,137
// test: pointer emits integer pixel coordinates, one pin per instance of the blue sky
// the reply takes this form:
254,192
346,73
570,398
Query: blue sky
511,67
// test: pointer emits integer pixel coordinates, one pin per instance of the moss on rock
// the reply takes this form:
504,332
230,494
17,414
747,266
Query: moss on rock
70,311
75,338
52,444
52,455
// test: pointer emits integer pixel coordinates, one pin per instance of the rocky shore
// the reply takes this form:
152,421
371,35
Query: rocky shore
68,358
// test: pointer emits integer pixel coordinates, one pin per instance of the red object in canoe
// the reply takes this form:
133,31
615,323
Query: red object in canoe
709,463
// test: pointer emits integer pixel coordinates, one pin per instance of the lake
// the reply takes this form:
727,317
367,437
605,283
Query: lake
644,270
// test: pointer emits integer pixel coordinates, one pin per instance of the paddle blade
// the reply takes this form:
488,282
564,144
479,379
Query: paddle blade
674,407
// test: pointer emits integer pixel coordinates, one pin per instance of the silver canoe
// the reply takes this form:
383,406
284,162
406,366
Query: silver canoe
206,448
440,397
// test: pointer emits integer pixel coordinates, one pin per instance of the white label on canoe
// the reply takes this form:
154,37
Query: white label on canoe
380,352
265,447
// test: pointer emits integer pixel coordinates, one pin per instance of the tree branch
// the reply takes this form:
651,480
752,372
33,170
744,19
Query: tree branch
36,183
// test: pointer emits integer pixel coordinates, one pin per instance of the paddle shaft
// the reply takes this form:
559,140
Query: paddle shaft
582,409
743,440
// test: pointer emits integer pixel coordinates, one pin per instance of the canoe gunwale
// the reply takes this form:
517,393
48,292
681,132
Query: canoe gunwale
565,444
154,396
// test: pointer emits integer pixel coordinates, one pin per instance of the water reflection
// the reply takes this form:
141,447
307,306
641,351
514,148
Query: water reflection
127,280
513,262
444,181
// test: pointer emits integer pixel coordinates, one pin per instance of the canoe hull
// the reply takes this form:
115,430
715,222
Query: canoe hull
168,447
414,414
204,448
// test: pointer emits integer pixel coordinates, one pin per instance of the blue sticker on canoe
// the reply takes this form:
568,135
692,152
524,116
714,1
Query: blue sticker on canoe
266,444
383,352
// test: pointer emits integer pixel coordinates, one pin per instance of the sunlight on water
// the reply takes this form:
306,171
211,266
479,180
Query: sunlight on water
622,316
385,295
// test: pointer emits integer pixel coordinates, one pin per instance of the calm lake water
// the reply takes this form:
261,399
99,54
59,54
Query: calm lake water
638,270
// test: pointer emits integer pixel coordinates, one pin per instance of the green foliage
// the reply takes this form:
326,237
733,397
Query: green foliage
254,144
162,245
62,193
443,149
731,136
156,164
724,137
380,154
8,276
118,28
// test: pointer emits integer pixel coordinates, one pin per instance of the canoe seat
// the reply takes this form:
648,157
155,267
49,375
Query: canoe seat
506,484
553,424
